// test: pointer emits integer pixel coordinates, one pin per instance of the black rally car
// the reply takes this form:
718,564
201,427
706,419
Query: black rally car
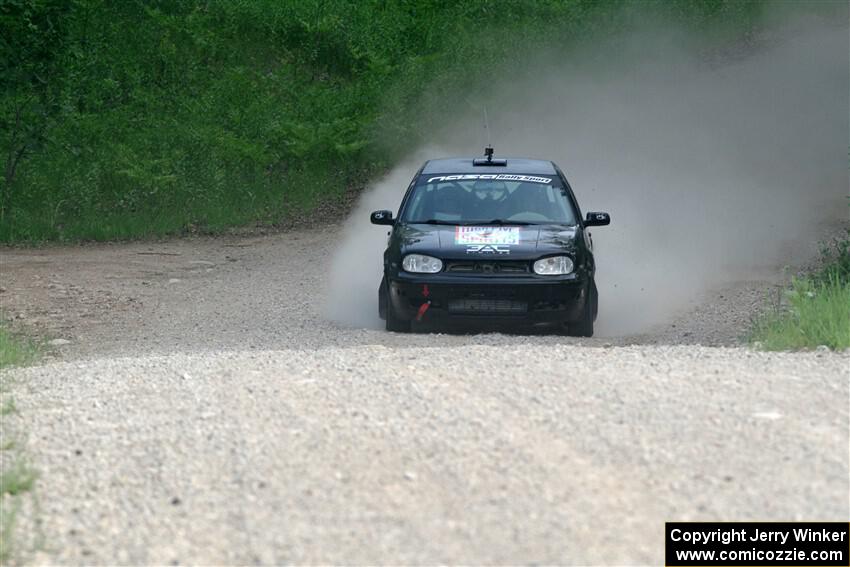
489,240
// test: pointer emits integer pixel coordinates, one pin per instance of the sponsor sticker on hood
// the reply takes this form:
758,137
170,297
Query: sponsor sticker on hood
487,235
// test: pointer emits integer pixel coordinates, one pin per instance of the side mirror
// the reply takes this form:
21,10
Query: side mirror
597,219
382,217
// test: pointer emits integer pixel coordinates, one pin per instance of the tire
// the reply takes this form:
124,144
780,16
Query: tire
584,327
382,299
595,294
392,322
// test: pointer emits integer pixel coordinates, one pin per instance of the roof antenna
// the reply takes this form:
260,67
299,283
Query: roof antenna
488,151
488,159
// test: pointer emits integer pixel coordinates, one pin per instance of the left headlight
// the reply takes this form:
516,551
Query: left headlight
421,264
553,266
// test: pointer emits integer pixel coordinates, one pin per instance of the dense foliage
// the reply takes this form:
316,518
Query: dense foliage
121,118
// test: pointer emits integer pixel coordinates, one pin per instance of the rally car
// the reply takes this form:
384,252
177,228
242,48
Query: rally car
489,240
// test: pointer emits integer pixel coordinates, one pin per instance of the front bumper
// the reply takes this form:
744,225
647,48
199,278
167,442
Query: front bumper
529,300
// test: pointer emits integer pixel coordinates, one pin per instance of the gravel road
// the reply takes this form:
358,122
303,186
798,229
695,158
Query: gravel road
204,411
254,293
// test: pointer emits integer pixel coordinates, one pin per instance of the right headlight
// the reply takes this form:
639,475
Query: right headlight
553,266
421,264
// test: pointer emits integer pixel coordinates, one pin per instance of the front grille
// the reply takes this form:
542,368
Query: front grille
472,306
503,267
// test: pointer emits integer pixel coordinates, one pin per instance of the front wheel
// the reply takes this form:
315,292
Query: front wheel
584,326
392,322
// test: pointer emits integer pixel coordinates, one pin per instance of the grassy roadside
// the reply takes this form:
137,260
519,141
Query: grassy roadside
17,478
15,350
815,310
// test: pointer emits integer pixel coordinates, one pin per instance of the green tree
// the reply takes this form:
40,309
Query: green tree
32,43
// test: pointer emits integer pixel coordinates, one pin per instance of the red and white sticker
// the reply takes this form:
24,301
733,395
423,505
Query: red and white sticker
505,235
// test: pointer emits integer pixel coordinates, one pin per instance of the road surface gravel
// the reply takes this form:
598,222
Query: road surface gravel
205,411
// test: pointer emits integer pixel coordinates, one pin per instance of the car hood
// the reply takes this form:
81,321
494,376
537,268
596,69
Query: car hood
507,242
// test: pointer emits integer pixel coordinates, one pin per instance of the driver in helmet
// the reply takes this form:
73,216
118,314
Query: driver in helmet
489,195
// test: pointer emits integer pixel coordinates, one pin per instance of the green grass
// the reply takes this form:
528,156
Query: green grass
815,311
15,350
8,407
8,515
20,478
17,478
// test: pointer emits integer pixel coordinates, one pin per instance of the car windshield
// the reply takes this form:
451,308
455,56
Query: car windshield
490,199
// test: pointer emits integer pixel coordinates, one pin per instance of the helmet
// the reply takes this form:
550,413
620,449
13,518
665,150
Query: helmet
490,189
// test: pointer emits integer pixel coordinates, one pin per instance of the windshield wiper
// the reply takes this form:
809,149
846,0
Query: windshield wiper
435,221
497,222
508,222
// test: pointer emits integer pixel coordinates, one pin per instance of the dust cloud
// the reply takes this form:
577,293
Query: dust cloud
715,168
357,265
